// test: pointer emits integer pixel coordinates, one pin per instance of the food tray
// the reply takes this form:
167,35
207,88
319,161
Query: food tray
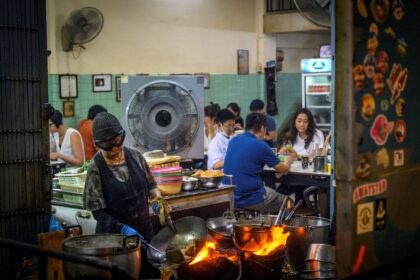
73,197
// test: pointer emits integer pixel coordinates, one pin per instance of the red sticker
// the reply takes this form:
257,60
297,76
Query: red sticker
381,129
400,131
358,76
371,189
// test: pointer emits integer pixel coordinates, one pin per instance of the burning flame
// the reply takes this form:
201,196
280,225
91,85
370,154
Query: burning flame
209,251
279,238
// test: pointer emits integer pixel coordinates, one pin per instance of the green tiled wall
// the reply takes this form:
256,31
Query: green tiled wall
288,95
224,88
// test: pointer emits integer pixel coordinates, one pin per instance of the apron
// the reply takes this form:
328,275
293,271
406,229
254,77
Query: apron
126,201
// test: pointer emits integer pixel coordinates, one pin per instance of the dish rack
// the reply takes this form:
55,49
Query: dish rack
72,185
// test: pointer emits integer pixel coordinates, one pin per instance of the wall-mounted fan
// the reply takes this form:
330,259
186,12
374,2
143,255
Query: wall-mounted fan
316,11
82,26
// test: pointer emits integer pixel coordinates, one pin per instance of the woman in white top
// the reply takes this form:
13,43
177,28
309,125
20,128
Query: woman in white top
305,138
70,144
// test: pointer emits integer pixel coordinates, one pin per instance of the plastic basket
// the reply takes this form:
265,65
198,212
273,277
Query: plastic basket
72,188
72,197
69,178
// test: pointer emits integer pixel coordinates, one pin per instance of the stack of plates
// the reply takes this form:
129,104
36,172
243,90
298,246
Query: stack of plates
168,179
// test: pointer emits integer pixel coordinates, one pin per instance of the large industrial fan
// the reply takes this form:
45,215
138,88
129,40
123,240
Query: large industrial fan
316,11
164,113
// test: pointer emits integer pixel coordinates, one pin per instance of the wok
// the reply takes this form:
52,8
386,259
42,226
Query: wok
221,229
189,237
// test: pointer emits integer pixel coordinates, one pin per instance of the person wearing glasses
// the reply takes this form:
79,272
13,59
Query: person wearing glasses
119,184
69,143
225,123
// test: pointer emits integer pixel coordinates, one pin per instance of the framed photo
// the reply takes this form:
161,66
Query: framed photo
206,77
68,86
243,62
102,83
118,88
68,109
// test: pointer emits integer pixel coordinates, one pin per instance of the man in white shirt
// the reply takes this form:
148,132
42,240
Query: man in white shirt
225,121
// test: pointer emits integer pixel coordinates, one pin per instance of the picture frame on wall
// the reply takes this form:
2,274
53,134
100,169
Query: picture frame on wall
68,109
102,83
118,88
68,86
243,62
206,77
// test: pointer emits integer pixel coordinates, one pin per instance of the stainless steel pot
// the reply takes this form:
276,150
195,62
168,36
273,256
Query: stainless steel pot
113,248
304,230
189,183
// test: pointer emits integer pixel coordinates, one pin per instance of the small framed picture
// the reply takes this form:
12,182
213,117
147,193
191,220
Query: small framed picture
325,51
118,88
68,86
102,83
206,77
68,109
243,62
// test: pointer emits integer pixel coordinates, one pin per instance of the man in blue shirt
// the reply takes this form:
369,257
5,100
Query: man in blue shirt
257,106
245,159
225,121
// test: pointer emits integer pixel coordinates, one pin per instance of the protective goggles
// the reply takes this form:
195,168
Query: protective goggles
109,144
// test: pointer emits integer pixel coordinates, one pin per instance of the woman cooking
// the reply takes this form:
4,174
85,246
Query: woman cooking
119,184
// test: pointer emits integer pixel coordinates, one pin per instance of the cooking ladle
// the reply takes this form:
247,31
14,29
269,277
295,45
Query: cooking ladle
280,214
173,256
293,210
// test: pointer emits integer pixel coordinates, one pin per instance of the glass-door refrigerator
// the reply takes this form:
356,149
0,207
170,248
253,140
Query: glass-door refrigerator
316,90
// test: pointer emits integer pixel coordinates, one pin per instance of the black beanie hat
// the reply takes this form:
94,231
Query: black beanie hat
105,126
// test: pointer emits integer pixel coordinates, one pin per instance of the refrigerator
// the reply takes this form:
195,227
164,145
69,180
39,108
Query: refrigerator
317,90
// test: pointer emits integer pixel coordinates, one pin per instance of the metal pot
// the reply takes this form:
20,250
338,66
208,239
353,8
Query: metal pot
251,235
188,236
221,229
113,248
319,163
189,183
304,230
210,182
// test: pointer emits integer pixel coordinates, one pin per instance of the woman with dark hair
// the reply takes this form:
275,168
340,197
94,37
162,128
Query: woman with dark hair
305,138
85,129
70,144
236,110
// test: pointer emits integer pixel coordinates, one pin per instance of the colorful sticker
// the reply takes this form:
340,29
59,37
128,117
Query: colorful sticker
382,158
358,76
401,47
361,7
381,129
397,81
398,9
368,106
382,60
372,44
380,214
390,32
370,189
400,107
369,65
398,158
363,169
384,105
373,28
365,218
380,10
400,131
378,83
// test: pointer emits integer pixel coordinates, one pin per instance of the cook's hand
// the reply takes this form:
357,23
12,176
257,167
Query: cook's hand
128,231
54,156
